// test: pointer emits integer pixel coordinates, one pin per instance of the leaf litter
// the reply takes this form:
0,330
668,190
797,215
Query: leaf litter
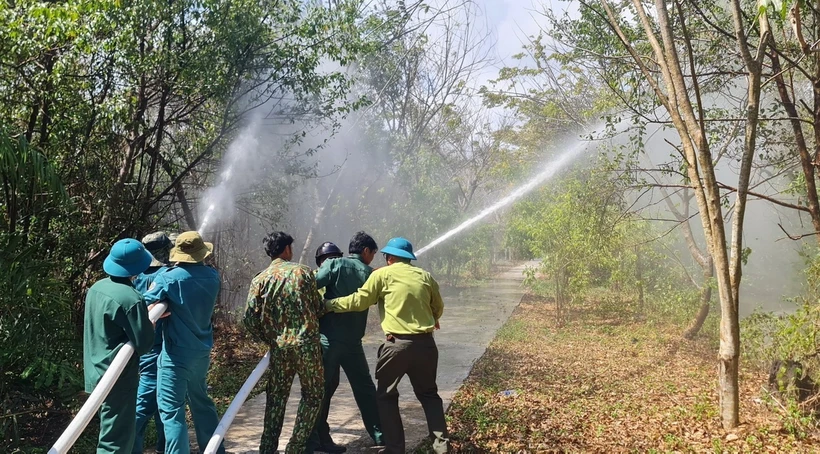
607,386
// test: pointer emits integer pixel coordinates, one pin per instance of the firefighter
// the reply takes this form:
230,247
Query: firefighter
191,288
282,312
409,310
115,313
341,338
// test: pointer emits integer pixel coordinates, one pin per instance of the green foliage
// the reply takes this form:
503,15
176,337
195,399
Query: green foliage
114,117
769,336
38,345
581,232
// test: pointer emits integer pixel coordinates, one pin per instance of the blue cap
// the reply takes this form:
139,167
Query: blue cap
127,258
399,247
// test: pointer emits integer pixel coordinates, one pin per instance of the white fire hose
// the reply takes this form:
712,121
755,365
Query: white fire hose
78,424
236,404
241,396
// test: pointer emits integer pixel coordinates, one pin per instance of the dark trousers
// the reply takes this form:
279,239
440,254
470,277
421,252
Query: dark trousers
347,355
118,419
417,357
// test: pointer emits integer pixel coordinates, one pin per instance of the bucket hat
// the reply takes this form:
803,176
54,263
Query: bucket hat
127,258
399,247
190,248
159,246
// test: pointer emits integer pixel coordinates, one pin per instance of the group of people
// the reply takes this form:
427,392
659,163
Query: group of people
312,321
175,353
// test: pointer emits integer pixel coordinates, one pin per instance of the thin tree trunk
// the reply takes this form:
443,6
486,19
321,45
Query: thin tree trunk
639,278
806,160
729,355
317,220
705,302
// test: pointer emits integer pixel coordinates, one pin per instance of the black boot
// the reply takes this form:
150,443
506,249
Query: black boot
330,447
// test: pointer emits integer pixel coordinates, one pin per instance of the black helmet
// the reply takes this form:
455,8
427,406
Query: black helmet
327,249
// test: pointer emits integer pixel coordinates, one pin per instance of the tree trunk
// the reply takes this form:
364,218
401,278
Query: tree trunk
317,220
639,278
806,161
729,323
705,302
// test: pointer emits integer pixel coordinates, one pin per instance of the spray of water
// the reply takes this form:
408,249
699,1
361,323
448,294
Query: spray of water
552,168
242,158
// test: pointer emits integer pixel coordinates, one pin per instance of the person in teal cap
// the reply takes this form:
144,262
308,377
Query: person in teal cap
115,313
158,244
410,306
190,287
341,338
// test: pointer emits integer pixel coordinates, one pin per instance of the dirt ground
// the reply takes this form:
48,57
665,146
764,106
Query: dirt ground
608,385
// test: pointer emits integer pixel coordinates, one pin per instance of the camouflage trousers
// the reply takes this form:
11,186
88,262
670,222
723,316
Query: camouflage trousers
306,362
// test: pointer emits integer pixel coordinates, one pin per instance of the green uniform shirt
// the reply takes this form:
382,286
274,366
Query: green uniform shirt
340,277
411,300
284,306
115,313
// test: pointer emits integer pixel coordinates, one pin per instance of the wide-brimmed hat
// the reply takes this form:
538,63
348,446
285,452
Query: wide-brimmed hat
399,247
190,248
159,246
127,258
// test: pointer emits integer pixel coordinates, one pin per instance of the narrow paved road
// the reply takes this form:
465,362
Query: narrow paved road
470,321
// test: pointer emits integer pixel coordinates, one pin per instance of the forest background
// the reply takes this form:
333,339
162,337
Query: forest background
323,119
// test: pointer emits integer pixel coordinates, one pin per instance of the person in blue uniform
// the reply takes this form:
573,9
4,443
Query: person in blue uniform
159,246
190,287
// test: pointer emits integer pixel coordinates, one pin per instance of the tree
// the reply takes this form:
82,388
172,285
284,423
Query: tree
132,104
676,86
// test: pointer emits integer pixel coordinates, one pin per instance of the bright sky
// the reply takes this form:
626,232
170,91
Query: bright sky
512,22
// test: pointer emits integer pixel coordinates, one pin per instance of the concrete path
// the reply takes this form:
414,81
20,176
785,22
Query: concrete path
470,321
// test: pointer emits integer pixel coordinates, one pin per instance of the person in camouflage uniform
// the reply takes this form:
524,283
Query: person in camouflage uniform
283,311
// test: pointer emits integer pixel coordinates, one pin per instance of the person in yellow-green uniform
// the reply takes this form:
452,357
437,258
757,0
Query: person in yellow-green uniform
115,313
191,288
341,338
283,311
409,312
158,244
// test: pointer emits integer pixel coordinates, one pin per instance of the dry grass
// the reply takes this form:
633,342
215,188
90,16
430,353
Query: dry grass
606,385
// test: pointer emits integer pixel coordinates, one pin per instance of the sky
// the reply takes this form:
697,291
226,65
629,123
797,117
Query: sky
511,23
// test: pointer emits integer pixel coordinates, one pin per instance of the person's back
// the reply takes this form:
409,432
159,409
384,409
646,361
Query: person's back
410,294
110,304
285,318
141,284
282,311
192,290
341,277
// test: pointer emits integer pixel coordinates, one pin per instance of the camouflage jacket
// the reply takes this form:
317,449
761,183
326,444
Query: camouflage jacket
284,307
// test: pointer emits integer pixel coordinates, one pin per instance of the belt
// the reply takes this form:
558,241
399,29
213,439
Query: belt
393,337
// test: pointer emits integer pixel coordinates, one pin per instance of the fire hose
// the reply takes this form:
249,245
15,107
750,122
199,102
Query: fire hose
236,404
101,391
